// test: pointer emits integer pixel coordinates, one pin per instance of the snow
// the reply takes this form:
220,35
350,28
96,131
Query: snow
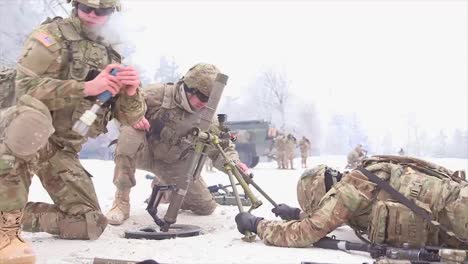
220,242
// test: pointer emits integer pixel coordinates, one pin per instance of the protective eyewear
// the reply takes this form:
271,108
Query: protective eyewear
98,11
203,98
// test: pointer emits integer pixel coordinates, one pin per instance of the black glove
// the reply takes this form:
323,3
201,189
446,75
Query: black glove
286,212
247,222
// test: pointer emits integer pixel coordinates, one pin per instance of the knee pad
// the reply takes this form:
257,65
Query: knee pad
30,128
89,226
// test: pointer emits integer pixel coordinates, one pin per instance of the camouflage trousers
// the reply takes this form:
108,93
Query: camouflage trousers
75,213
281,159
304,156
133,152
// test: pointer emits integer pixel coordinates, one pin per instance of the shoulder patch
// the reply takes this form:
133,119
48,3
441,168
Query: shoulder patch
44,38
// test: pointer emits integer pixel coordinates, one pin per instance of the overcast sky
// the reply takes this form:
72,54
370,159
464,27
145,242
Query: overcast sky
380,59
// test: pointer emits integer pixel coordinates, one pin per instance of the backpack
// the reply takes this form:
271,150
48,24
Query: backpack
7,88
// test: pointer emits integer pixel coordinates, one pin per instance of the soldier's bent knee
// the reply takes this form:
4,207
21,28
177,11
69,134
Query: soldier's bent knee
90,226
205,209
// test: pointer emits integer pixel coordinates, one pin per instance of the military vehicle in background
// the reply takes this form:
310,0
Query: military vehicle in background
254,139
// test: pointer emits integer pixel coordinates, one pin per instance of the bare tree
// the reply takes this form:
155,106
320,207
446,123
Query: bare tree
18,18
276,93
168,71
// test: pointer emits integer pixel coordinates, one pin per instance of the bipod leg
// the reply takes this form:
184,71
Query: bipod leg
260,190
155,199
248,236
232,168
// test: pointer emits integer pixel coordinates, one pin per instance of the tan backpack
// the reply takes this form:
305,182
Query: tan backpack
435,191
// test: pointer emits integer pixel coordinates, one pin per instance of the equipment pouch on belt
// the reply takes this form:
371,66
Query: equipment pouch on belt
393,223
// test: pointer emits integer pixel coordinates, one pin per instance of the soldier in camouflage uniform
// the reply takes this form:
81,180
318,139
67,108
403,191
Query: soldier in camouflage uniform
355,156
304,146
280,146
290,151
172,111
401,152
64,65
329,199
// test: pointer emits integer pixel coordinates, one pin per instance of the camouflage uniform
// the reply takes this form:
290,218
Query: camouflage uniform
355,156
163,151
7,88
37,137
401,152
290,151
304,146
280,145
359,203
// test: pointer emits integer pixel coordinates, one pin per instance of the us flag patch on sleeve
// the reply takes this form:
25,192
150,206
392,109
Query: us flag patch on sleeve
45,39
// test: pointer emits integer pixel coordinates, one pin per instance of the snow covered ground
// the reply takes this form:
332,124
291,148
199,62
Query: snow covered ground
220,241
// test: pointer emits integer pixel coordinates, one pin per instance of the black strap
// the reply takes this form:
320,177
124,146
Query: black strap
331,177
408,203
328,181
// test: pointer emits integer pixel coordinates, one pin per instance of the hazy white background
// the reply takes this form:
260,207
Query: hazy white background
399,67
387,61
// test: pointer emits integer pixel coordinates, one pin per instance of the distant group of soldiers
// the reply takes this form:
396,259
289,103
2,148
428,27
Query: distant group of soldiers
285,146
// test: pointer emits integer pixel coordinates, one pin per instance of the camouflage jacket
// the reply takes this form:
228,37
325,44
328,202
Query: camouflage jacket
359,203
55,62
171,120
280,143
304,146
290,145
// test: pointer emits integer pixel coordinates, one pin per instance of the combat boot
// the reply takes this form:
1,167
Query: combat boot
13,249
120,208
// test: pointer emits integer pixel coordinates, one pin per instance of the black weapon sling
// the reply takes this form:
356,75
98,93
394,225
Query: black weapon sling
408,203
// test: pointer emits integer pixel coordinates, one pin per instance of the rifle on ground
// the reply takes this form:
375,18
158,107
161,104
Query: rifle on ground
428,254
121,261
217,187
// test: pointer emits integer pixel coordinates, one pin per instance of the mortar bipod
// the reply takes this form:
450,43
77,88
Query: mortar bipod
154,200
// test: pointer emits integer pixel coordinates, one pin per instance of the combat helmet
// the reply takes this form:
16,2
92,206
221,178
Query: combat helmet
99,3
313,184
201,77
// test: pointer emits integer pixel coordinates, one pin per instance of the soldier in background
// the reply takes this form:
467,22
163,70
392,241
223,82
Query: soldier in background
329,199
304,146
355,156
64,65
290,151
401,152
209,165
280,146
159,143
